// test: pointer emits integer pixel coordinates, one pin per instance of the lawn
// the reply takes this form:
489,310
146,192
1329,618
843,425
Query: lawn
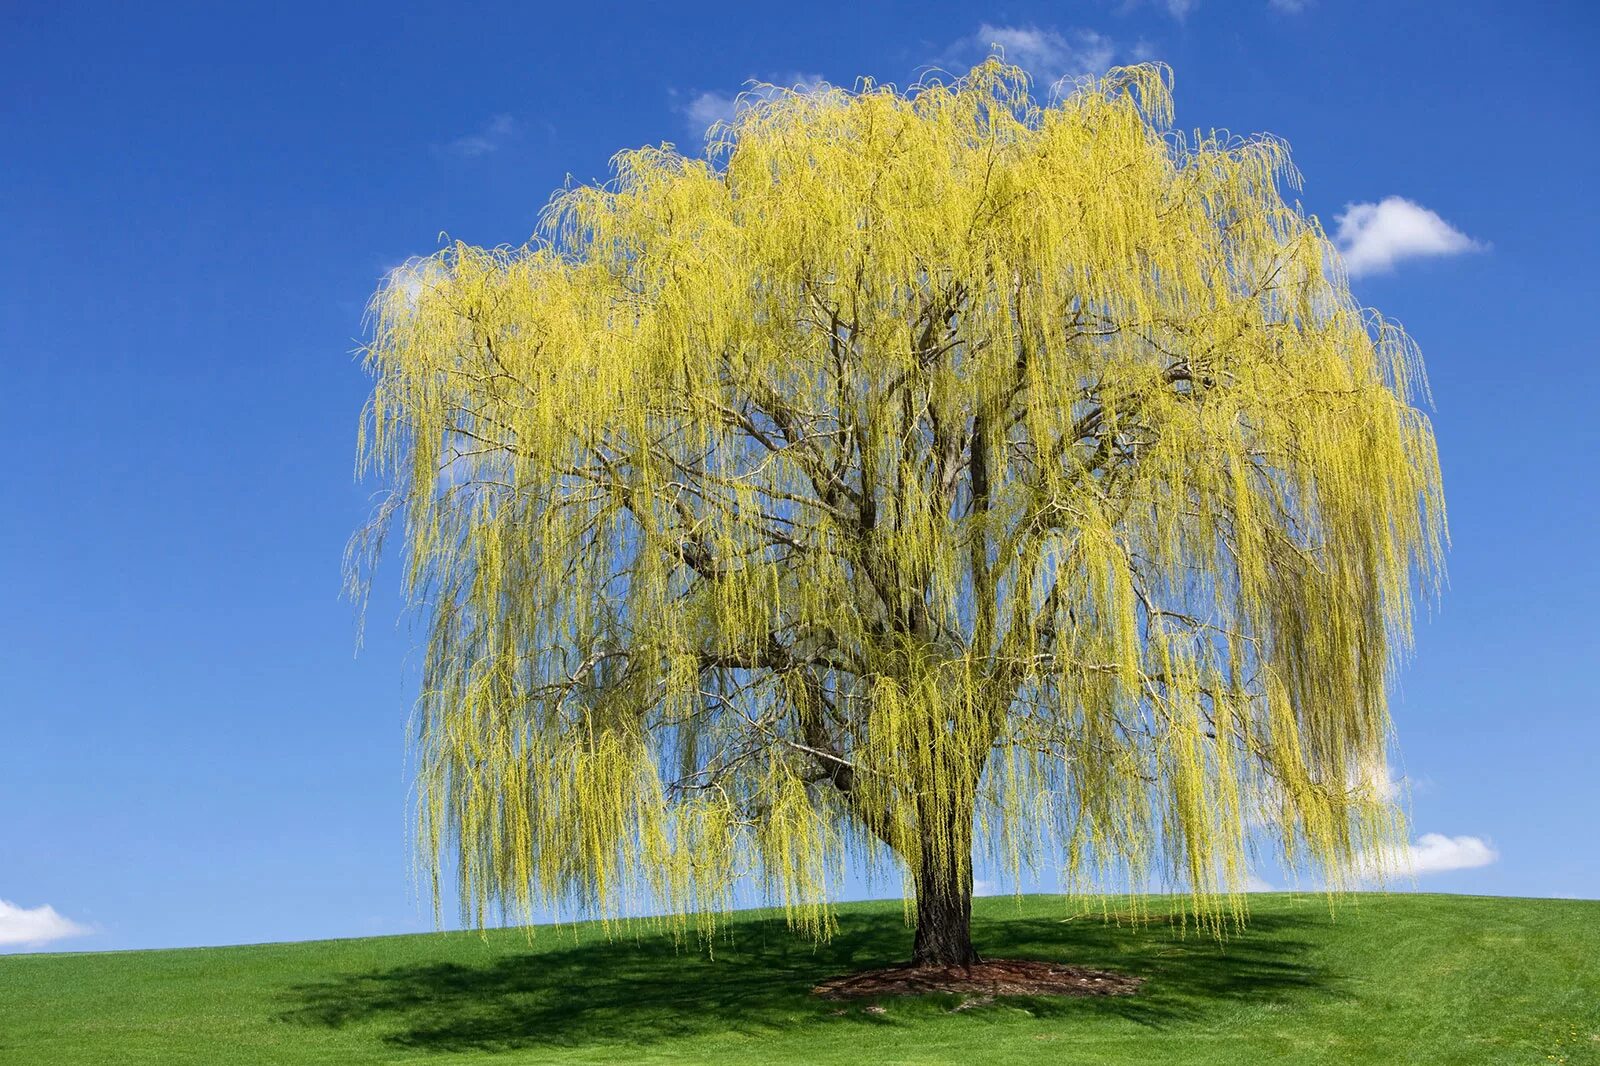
1386,979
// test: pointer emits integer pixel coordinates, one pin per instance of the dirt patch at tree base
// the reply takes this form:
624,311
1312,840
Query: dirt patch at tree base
992,977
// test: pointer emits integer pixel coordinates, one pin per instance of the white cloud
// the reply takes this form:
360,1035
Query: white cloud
409,280
1380,779
34,927
1374,237
1142,51
702,110
1047,54
1289,7
982,887
1263,804
1178,9
1252,883
1431,853
708,108
491,138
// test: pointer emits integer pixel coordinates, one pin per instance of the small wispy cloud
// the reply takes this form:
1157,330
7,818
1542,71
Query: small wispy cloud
1431,853
1178,9
1048,54
1264,805
1289,7
491,137
1379,777
1142,51
708,108
702,110
1374,237
34,926
407,280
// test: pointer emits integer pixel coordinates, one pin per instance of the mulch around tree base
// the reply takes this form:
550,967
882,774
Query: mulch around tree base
992,977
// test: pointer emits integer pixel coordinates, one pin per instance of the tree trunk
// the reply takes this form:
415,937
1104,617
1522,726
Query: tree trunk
944,894
944,926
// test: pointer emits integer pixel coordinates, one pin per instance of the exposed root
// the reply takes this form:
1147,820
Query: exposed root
992,977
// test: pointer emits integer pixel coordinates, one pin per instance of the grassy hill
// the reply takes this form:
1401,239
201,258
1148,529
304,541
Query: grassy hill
1387,979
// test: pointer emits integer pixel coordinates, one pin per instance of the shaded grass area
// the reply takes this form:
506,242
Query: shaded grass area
1384,979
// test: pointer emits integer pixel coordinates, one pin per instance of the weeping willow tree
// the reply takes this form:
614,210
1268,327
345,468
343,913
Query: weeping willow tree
915,473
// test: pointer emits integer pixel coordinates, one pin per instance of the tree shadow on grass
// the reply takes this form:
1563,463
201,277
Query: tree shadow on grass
645,990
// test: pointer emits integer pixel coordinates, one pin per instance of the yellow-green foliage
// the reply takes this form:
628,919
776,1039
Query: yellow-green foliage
910,453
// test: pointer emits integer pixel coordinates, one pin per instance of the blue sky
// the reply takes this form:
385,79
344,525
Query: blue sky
196,201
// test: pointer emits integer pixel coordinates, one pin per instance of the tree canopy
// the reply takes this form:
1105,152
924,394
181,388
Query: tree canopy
911,465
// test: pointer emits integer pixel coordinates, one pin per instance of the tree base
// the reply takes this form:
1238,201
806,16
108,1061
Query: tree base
991,977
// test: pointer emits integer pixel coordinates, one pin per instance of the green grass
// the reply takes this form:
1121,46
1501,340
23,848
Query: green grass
1387,979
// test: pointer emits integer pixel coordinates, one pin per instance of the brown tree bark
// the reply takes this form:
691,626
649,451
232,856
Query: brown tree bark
944,895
